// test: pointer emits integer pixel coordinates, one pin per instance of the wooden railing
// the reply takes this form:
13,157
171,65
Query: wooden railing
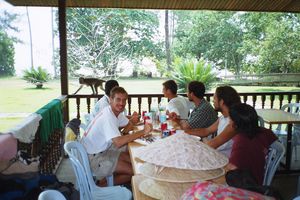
50,152
140,102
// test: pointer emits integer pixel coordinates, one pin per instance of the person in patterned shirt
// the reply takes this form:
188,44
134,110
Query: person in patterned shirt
203,115
224,98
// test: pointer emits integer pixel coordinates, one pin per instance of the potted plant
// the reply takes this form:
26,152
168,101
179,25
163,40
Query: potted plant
36,76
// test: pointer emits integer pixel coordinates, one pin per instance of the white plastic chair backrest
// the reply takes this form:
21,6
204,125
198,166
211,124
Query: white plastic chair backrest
261,122
275,154
51,195
82,169
291,108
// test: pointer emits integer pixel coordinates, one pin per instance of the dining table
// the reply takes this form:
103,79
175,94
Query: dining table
277,116
136,163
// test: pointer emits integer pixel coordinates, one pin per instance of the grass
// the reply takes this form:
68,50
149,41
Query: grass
18,96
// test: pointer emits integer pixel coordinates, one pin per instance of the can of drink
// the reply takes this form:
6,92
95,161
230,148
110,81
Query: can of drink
172,131
163,126
165,133
146,118
143,113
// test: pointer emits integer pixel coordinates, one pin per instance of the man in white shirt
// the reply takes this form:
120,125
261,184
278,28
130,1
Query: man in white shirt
104,101
224,98
177,104
103,140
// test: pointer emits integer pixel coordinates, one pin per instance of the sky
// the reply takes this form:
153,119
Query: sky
40,19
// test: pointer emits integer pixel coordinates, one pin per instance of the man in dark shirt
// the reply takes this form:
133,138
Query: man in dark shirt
203,114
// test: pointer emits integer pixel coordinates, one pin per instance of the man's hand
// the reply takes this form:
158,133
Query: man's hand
148,128
135,117
173,116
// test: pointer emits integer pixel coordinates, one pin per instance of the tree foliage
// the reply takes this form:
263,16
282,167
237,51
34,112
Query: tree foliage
100,38
273,40
6,44
240,41
189,70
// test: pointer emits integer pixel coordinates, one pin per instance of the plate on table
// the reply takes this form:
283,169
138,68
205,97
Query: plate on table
148,140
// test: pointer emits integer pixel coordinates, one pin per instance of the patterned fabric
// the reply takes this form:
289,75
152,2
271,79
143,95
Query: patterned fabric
212,191
203,115
182,151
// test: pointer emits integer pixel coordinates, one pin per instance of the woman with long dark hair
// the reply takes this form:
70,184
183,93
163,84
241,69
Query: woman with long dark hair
251,143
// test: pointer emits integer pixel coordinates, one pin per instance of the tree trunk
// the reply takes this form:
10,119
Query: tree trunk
30,36
167,40
53,51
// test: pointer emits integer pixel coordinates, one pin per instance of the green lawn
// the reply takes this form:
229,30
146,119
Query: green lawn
18,96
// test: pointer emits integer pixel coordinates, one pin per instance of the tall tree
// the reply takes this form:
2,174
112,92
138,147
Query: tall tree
214,36
272,41
30,37
100,38
167,40
6,44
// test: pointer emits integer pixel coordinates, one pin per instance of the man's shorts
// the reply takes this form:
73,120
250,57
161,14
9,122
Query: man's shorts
104,163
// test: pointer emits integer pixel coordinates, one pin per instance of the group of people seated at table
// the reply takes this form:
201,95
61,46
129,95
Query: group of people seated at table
235,133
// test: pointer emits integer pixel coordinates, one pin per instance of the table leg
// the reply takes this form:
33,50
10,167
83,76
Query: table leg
289,147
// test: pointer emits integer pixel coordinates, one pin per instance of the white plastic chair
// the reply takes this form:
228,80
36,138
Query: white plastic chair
87,188
51,195
261,122
275,154
282,134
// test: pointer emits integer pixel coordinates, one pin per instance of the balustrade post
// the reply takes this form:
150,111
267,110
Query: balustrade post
263,99
88,102
78,107
139,105
129,105
272,98
281,97
149,103
254,98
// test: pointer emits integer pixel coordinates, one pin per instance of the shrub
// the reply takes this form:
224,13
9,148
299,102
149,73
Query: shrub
186,71
36,76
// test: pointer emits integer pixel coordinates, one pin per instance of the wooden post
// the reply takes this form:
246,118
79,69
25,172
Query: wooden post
63,54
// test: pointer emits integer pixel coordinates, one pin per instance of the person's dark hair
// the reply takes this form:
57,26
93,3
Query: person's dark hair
197,88
109,85
171,85
229,95
245,119
117,90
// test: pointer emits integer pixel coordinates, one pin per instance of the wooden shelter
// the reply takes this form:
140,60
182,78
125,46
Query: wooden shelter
233,5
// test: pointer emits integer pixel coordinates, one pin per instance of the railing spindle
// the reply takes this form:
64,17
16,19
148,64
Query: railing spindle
88,102
281,97
254,98
263,99
140,105
129,106
78,107
272,98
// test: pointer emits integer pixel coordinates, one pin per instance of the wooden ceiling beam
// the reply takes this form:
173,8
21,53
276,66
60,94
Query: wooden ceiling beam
230,5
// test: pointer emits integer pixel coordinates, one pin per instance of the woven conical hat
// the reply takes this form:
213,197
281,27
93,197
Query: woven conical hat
163,190
182,151
179,175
